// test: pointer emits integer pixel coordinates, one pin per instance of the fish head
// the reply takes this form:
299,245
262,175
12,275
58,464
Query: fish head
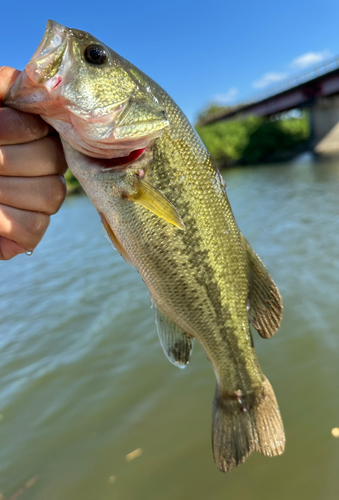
89,94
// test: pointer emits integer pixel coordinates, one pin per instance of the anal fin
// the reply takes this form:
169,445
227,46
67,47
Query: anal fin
265,305
176,345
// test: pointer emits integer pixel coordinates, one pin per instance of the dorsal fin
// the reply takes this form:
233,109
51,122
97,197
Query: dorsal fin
265,305
176,344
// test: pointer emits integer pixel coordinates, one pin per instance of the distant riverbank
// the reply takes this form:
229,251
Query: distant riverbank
254,140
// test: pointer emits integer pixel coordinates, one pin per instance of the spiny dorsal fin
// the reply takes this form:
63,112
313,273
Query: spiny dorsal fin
176,344
265,305
150,198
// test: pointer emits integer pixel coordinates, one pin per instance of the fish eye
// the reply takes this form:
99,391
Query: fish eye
95,54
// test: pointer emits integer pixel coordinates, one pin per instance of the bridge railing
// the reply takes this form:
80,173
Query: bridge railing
294,80
288,83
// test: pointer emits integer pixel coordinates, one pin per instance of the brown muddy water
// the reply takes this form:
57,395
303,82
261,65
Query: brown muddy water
84,381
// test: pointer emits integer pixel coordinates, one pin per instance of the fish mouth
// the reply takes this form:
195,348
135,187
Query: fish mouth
44,72
47,63
55,34
112,133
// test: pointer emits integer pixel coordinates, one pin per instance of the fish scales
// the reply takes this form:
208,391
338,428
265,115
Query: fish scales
204,299
164,206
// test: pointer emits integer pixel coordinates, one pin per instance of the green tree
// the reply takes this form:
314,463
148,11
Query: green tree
253,139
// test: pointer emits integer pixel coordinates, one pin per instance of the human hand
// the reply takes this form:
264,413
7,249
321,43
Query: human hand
32,187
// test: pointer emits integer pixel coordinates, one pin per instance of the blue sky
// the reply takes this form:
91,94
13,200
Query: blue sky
198,51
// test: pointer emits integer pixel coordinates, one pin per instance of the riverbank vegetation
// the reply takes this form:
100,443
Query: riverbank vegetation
73,186
254,140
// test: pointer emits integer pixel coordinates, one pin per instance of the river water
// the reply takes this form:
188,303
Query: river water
84,382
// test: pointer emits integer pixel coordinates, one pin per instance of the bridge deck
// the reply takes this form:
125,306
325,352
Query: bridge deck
297,92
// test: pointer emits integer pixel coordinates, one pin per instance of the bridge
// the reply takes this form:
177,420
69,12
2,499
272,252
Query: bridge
317,90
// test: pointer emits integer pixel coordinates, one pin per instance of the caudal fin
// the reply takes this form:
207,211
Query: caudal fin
245,424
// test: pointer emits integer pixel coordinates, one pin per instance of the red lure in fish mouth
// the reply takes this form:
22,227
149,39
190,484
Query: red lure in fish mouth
124,160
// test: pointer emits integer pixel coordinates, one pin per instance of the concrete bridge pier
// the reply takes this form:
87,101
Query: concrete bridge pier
324,122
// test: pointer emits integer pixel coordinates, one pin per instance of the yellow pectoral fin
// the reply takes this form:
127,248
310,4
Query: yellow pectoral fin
150,198
114,239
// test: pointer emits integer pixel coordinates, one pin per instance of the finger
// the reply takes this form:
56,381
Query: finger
22,226
38,194
9,249
43,157
7,78
17,127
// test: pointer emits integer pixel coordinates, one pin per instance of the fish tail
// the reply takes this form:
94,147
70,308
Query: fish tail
245,424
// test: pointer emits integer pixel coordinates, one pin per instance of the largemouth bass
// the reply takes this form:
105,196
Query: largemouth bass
163,204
